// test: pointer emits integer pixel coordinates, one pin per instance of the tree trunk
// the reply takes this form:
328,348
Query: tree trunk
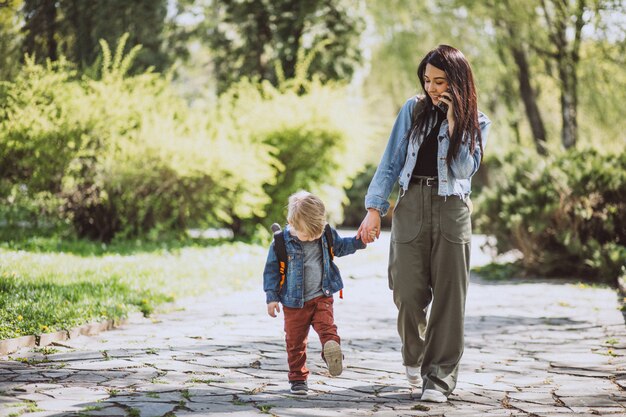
569,104
50,17
530,99
563,22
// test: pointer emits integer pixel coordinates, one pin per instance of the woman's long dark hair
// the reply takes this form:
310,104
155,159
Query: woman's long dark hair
463,92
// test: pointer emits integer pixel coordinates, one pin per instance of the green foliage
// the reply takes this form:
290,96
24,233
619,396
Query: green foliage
567,214
120,155
354,209
498,272
9,39
124,154
249,38
316,139
74,29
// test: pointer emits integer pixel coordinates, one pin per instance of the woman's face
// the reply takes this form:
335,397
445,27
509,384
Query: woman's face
435,82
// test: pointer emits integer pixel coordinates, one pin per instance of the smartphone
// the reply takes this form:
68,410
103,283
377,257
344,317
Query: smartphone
443,106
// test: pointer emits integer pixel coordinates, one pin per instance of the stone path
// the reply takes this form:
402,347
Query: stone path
532,349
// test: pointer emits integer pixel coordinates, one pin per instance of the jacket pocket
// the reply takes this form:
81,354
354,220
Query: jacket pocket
456,226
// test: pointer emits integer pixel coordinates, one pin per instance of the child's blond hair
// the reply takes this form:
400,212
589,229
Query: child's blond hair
307,214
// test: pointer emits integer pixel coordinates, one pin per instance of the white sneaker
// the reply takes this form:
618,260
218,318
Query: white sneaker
413,375
433,396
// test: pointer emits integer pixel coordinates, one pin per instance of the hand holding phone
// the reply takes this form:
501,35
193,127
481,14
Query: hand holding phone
443,106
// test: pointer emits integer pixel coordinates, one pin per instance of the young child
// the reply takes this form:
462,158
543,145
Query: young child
307,292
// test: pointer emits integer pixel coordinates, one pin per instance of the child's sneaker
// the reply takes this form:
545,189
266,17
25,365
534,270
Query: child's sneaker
333,357
299,387
413,375
433,396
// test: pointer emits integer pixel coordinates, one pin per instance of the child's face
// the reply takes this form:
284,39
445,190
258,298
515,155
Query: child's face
303,236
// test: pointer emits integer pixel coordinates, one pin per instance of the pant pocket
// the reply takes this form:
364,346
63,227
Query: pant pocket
406,223
456,226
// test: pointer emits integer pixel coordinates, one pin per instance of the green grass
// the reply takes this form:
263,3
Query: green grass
49,284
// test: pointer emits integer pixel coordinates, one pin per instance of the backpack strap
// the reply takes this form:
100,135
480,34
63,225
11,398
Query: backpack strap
331,252
329,239
280,249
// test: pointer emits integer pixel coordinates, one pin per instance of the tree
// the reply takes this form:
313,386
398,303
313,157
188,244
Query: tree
9,38
564,23
263,39
74,28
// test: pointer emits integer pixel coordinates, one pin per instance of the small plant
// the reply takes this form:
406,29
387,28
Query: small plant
153,395
612,341
134,412
237,401
420,407
265,409
152,351
93,408
46,350
31,361
186,395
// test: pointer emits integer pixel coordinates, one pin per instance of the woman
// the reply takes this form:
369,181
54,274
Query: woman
436,146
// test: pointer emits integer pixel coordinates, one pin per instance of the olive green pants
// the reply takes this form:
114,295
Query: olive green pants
429,265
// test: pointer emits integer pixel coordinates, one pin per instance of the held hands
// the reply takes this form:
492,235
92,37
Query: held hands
273,308
369,230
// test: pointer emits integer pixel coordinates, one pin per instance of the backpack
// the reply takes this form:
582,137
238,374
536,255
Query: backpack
280,249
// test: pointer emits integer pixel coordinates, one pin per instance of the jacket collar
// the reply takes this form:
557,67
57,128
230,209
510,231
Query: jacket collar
287,232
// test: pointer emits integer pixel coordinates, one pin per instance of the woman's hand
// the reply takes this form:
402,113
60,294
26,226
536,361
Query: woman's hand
369,230
447,99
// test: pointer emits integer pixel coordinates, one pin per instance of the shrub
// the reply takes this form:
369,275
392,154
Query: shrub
567,215
121,155
127,156
354,210
317,139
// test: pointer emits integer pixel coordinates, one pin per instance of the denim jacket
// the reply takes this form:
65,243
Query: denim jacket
292,292
400,157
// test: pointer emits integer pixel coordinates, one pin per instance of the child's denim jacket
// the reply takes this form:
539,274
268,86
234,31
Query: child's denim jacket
292,292
400,157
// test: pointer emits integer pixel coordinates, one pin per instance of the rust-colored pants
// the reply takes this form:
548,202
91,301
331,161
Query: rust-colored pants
318,313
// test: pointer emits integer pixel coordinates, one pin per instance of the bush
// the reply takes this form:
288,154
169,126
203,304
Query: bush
121,155
567,215
354,211
126,156
317,139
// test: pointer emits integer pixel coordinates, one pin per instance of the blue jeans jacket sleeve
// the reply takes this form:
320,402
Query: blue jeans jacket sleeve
343,246
391,163
465,165
271,277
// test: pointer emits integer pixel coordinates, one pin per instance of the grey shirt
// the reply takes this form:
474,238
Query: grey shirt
312,269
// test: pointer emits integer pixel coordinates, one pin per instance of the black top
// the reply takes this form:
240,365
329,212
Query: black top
426,164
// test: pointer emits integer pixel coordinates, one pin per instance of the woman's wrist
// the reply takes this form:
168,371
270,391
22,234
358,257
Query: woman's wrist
373,210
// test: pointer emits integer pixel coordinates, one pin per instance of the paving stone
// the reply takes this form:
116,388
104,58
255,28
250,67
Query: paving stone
587,401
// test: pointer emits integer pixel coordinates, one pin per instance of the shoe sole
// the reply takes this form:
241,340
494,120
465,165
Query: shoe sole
333,357
299,392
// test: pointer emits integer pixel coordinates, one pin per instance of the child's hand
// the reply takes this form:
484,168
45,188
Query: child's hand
273,308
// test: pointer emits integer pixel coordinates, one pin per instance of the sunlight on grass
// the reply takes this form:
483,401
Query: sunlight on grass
46,292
